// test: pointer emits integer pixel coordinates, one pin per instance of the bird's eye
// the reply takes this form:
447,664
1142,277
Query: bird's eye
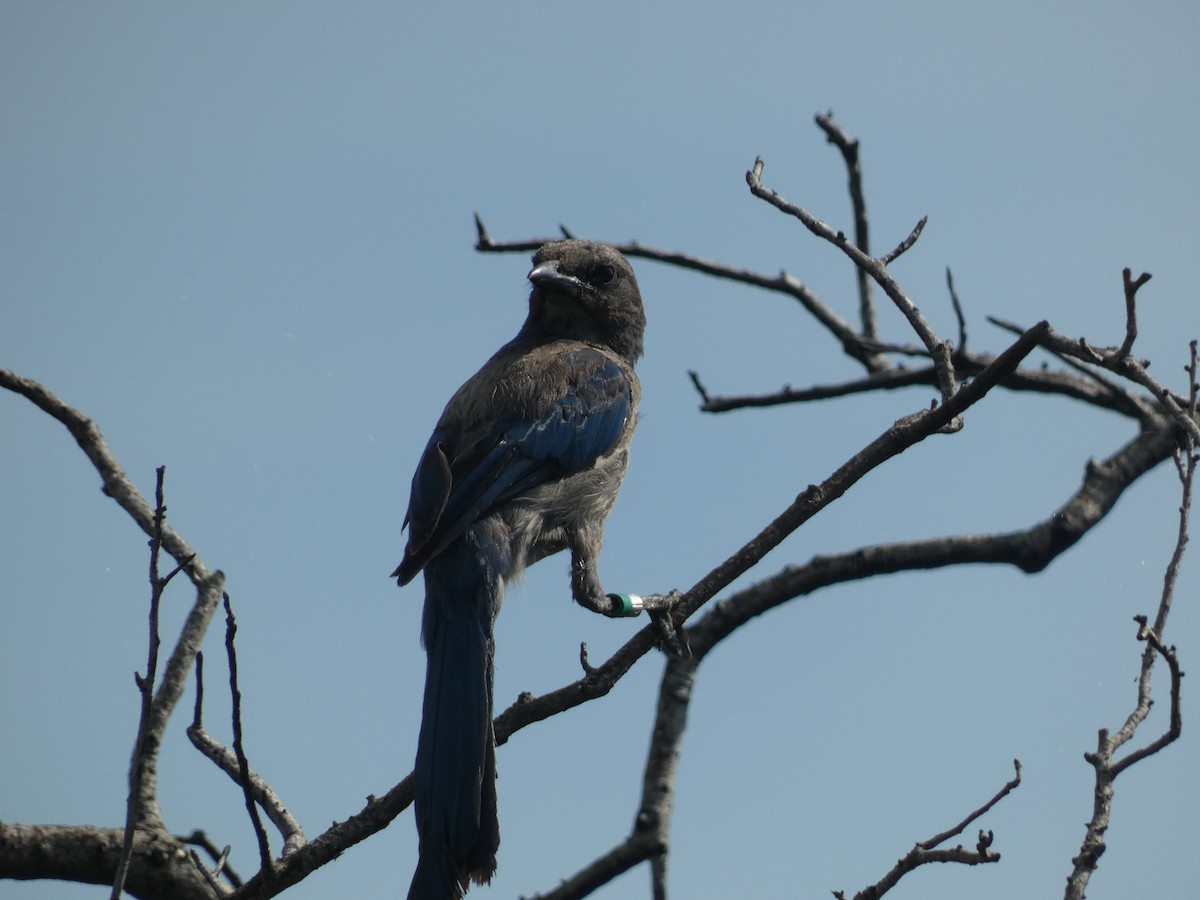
599,275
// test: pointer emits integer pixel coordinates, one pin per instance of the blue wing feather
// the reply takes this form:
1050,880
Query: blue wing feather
455,486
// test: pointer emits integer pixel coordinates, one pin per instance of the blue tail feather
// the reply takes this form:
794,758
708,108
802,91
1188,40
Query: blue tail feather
456,753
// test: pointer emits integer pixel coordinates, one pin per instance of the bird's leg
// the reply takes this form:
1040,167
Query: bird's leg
588,593
584,544
585,580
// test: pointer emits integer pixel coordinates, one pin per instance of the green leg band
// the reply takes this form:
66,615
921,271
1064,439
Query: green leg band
631,604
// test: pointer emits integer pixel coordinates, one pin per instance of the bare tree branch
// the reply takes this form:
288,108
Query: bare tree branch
1110,395
905,245
971,817
142,803
328,846
939,350
209,585
890,379
1131,288
923,852
264,795
1127,367
958,312
854,344
650,836
1030,549
848,147
651,830
1092,388
1118,398
116,484
1106,768
1103,484
901,435
160,866
219,856
239,750
1175,716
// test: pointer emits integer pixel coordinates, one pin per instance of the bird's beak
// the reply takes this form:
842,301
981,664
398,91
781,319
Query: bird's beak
547,277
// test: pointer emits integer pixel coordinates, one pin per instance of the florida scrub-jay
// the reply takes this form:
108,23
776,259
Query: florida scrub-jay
525,461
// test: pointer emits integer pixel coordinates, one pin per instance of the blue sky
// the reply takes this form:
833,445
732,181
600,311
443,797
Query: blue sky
239,236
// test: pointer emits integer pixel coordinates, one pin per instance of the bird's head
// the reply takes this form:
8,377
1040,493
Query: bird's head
586,291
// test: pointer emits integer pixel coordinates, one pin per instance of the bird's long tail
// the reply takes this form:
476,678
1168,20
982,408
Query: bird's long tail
455,793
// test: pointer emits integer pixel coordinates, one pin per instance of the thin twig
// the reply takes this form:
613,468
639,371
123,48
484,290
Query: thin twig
1127,367
1093,388
227,760
1106,768
698,385
584,664
892,379
142,789
938,349
961,826
923,852
849,147
1175,717
905,245
260,833
958,312
1142,408
918,857
219,855
1131,287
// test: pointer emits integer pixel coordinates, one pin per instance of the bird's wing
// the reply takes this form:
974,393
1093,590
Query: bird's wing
462,477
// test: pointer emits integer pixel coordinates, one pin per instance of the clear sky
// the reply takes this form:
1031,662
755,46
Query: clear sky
239,236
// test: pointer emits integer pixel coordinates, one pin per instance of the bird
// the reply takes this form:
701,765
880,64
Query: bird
525,461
